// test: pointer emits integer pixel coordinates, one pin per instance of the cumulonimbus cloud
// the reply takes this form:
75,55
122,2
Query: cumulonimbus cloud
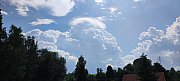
158,43
87,37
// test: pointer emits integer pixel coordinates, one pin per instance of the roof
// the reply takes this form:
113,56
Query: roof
130,77
133,77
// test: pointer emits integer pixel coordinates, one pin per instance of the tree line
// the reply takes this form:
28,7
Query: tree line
21,60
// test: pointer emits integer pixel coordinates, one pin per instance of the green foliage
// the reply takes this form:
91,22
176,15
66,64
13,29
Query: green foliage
70,77
100,76
21,60
158,68
51,67
31,58
177,76
128,69
91,77
4,63
80,70
144,69
110,73
119,74
174,75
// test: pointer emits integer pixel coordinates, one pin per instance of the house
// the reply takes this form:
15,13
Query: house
133,77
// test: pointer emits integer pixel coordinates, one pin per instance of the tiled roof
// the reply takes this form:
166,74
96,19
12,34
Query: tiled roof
134,77
130,77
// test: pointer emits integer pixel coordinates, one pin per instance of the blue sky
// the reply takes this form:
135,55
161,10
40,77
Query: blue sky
106,32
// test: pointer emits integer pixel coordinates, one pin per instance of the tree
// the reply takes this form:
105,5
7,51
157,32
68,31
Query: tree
3,34
128,69
70,77
20,59
91,77
51,67
158,68
31,58
1,19
100,76
119,74
16,53
144,69
59,69
177,75
109,73
172,74
4,53
80,70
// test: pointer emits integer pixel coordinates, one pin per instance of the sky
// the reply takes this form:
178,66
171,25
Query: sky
105,32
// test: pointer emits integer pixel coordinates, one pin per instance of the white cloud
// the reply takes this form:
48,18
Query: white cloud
87,37
112,10
4,13
173,32
73,58
102,18
91,21
103,8
42,21
128,59
56,7
177,68
151,33
22,10
165,44
94,42
137,0
99,1
48,40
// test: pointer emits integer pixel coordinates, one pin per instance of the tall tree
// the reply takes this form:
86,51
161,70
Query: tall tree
31,58
51,67
43,71
59,69
1,19
80,70
4,53
3,34
172,74
144,69
109,73
16,41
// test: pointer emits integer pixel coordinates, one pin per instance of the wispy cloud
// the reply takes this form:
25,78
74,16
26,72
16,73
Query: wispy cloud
112,10
22,10
42,21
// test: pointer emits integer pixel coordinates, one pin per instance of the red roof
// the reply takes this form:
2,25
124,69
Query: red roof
130,77
133,77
